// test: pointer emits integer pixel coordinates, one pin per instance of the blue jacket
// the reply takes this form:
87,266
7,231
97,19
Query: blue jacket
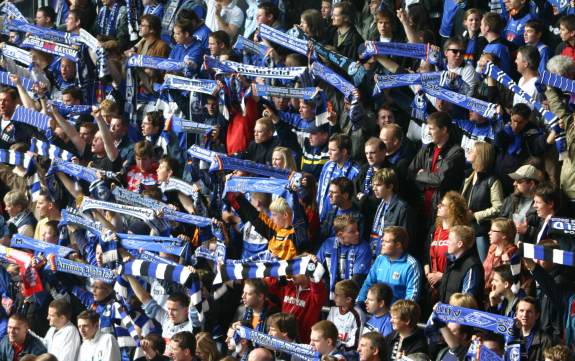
32,346
403,275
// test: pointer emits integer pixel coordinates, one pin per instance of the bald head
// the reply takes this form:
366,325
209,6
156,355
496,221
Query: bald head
260,354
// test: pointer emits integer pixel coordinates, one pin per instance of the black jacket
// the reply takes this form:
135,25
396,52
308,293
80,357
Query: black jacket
478,197
350,44
540,342
509,207
262,152
449,173
415,343
455,274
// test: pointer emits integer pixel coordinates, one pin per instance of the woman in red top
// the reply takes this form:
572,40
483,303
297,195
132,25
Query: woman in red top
452,211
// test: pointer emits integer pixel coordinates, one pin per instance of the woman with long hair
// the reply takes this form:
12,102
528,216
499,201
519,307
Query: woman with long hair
312,24
483,193
451,211
206,349
282,157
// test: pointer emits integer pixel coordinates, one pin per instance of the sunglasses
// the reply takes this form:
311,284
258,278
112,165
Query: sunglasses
456,51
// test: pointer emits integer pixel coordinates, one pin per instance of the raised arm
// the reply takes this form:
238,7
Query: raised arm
111,149
67,127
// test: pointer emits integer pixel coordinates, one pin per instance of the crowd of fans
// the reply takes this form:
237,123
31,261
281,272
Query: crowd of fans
405,199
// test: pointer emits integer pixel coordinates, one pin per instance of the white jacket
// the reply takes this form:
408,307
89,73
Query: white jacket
63,343
103,347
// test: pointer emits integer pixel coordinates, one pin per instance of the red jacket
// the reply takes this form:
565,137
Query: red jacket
241,127
305,305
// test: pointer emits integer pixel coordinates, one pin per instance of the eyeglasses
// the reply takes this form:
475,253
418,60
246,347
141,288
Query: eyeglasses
456,51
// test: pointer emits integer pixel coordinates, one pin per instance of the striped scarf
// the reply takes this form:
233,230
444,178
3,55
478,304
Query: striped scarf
551,120
274,268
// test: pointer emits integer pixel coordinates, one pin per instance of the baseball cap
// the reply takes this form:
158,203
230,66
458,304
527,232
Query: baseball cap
319,128
527,172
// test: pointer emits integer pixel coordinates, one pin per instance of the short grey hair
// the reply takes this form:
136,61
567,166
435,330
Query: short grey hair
562,65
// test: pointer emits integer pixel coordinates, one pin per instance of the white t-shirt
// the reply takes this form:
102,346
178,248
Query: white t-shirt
103,347
349,325
63,343
529,88
231,14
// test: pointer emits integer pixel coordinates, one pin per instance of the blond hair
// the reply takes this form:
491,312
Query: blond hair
206,344
287,155
406,310
342,221
280,205
463,300
465,234
484,156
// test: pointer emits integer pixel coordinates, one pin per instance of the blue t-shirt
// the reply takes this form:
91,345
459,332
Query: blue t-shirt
381,324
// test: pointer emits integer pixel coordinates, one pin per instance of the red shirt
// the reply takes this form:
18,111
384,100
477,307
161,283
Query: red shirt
136,177
17,350
429,192
438,250
568,51
304,304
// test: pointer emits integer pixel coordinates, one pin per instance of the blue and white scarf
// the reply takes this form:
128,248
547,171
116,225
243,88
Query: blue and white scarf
23,242
203,86
162,271
556,256
339,60
398,80
274,268
59,264
323,72
551,120
144,214
246,45
409,50
279,37
131,198
263,90
278,187
469,317
17,159
298,351
43,33
15,53
180,125
557,81
13,12
229,67
31,117
5,80
107,20
481,107
50,47
146,61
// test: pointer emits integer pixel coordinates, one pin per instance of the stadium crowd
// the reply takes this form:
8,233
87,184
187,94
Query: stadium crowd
287,180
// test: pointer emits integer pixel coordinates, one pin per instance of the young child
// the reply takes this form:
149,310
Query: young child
472,24
277,228
377,305
345,315
533,33
49,232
